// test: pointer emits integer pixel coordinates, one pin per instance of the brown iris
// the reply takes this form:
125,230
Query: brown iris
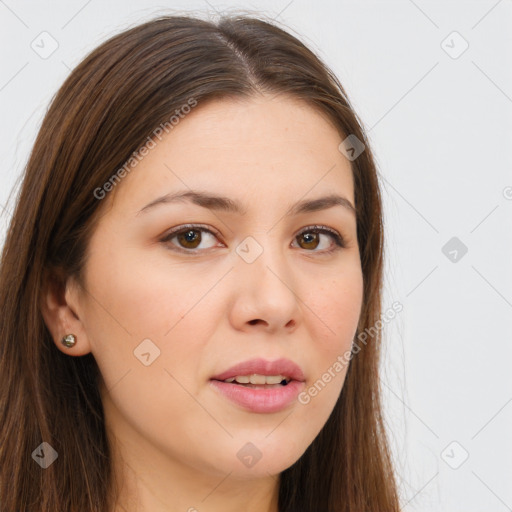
312,238
189,237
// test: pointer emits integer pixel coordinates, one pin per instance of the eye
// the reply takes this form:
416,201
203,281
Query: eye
311,236
189,238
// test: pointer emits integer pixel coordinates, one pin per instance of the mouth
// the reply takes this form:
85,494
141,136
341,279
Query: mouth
257,381
262,372
261,386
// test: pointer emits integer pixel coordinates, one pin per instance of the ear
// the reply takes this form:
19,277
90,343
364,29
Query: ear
61,309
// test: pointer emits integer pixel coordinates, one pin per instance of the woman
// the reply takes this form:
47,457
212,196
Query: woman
196,247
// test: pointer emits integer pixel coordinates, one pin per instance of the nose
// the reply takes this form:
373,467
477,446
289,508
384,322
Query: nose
265,297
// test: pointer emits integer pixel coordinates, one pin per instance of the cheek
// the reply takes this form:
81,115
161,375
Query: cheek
141,300
148,314
335,309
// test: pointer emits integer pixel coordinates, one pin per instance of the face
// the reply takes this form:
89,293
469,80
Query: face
180,291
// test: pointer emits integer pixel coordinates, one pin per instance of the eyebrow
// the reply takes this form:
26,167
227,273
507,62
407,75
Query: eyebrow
216,202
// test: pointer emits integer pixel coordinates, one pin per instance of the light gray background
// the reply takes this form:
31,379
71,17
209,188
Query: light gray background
441,130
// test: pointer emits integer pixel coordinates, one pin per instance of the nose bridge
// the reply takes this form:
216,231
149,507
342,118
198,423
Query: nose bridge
264,267
261,249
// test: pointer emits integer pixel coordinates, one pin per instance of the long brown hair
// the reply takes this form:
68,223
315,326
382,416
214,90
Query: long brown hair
105,110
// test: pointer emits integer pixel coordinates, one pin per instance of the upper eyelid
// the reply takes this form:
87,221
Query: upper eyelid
311,227
338,238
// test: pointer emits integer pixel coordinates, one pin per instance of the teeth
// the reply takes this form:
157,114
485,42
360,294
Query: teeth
258,379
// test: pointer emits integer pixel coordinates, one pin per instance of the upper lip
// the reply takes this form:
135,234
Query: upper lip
284,367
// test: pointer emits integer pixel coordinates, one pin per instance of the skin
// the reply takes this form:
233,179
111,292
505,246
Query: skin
176,439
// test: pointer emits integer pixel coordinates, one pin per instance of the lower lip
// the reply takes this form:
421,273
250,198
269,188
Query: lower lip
260,400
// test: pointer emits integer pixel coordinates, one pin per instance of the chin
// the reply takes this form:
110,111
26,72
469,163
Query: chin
259,459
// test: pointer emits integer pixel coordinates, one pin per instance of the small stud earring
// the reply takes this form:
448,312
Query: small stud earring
69,340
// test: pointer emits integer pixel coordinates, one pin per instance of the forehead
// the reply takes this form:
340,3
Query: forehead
263,147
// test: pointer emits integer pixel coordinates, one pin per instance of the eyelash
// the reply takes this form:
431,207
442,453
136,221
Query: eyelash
339,241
